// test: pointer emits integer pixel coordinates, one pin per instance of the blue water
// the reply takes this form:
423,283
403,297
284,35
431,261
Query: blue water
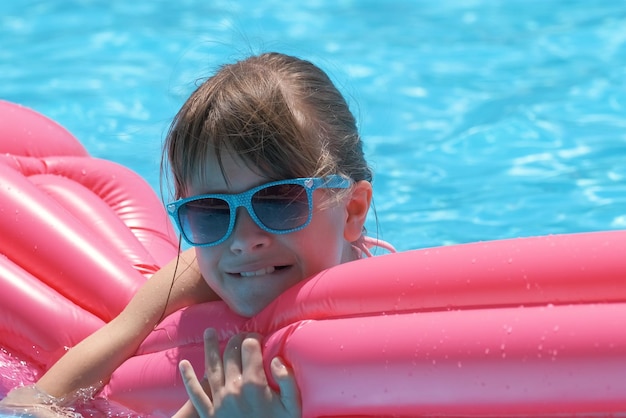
483,119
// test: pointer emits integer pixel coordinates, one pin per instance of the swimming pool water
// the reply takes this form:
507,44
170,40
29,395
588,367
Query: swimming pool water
482,119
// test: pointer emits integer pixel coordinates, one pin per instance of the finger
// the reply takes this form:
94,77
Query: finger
195,391
252,360
232,359
186,411
289,393
214,370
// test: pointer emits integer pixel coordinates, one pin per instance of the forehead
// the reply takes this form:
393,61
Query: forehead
234,175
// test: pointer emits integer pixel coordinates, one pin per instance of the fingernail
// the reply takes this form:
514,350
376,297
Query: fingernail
278,362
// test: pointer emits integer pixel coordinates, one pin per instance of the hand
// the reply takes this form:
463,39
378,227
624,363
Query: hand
29,401
237,385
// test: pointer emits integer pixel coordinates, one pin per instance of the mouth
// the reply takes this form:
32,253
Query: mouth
261,272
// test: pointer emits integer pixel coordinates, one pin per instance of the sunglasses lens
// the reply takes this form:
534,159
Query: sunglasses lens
204,221
282,207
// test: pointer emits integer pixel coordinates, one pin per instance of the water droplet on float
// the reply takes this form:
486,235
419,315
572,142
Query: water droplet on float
553,354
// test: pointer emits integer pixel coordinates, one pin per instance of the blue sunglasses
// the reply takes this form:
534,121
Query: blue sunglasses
278,207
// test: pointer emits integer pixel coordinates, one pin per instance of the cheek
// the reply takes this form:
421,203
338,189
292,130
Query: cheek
325,240
206,263
333,221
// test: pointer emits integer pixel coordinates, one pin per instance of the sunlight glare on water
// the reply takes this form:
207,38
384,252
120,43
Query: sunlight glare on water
482,120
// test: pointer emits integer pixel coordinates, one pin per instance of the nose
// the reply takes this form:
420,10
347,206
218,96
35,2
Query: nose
247,235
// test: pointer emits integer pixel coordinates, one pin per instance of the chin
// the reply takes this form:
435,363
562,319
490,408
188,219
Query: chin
247,311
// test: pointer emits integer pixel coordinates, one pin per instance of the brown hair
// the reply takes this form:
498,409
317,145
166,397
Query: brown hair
282,115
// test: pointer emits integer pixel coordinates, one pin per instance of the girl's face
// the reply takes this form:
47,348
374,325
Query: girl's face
252,267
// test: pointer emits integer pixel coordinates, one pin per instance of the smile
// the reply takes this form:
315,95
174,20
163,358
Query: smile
262,272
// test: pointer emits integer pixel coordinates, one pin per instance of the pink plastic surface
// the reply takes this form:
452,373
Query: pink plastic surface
520,327
78,235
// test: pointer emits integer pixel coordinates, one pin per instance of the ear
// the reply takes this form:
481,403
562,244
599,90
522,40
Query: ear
356,208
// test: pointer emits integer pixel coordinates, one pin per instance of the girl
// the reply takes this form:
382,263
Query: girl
272,188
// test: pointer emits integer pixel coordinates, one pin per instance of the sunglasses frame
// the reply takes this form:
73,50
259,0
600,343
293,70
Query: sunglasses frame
244,199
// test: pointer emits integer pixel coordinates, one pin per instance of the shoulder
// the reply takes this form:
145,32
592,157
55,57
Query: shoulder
176,285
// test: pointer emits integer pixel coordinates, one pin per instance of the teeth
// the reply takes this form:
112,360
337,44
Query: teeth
260,272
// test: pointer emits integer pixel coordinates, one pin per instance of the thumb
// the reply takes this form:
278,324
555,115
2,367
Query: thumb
289,393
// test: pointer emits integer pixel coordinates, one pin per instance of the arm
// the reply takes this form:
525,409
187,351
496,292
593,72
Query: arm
93,360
